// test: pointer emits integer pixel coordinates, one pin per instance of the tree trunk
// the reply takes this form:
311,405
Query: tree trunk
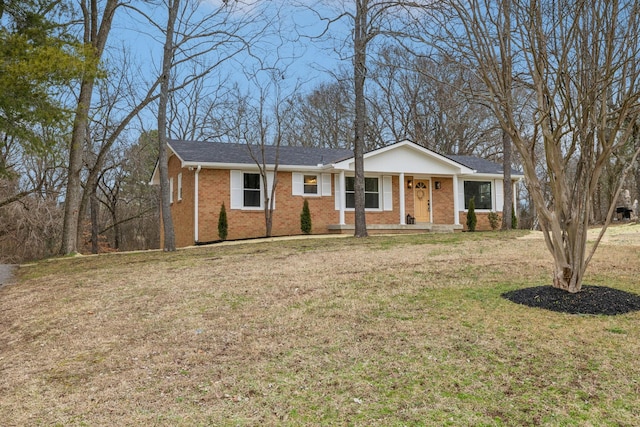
163,167
74,184
95,35
507,78
507,208
95,227
360,72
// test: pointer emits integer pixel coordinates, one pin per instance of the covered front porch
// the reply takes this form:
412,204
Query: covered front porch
408,189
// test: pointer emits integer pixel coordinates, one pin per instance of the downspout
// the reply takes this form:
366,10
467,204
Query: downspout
195,204
401,194
342,198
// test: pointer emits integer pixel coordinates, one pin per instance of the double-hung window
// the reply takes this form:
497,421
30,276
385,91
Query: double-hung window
480,191
310,184
251,190
371,193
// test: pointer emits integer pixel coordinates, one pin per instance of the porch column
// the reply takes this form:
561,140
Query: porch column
342,198
401,193
456,208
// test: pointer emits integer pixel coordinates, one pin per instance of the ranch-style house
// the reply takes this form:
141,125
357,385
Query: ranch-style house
408,188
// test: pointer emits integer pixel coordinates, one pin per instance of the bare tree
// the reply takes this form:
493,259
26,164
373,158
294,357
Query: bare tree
324,116
167,62
581,63
507,79
417,97
96,28
262,123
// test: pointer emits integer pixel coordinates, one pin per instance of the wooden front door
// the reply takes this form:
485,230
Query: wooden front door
422,202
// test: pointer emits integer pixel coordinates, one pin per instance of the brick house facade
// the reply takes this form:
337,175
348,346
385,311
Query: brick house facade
407,189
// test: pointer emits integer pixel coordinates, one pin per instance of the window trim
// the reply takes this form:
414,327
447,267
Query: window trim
259,190
318,185
491,195
180,187
170,190
379,192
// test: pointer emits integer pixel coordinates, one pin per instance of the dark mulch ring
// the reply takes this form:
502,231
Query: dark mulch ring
590,300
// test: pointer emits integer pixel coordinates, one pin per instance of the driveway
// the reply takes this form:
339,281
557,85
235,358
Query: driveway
6,273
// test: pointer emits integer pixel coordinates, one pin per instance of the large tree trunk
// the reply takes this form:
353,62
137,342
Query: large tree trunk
507,208
163,167
95,35
360,73
74,183
507,79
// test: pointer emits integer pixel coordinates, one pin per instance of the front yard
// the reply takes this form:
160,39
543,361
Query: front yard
403,330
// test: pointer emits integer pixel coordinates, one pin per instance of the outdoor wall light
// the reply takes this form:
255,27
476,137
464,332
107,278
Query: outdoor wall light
409,184
438,185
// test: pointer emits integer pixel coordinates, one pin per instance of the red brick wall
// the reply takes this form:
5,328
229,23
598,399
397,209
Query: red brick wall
182,211
214,189
482,223
442,201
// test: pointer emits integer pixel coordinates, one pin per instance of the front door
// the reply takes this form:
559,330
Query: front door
422,202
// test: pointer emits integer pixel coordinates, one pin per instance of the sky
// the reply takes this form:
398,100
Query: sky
291,46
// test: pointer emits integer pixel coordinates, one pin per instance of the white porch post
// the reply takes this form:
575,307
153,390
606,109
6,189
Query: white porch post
401,193
456,208
342,198
195,205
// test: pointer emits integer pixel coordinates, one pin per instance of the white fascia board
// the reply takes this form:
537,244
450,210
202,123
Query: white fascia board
155,176
491,176
172,151
246,166
461,169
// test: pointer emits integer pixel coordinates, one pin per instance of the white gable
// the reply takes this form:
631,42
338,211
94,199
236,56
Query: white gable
408,158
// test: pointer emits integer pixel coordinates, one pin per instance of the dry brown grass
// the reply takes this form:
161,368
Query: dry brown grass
404,330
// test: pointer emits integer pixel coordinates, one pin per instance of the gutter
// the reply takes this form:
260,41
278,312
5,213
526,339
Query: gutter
196,204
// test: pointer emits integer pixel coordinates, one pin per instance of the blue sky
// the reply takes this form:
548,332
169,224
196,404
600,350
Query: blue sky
298,54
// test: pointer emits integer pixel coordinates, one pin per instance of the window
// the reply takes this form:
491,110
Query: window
371,193
251,190
310,183
170,190
480,191
180,186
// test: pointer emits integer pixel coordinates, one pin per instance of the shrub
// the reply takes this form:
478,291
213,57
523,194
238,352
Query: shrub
223,225
471,216
305,218
514,219
494,219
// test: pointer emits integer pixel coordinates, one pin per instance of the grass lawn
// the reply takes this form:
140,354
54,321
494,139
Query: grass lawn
403,330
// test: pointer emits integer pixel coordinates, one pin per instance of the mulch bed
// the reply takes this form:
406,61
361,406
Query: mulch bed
590,300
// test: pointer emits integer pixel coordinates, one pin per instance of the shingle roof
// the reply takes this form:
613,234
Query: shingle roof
228,153
218,152
481,165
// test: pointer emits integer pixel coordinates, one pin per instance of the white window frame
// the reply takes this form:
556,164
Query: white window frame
493,195
180,187
260,191
318,184
380,194
237,189
171,190
323,186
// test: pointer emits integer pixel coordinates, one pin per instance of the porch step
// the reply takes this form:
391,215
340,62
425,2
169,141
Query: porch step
442,228
397,228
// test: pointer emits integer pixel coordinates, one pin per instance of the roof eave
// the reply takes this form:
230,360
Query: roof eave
284,168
